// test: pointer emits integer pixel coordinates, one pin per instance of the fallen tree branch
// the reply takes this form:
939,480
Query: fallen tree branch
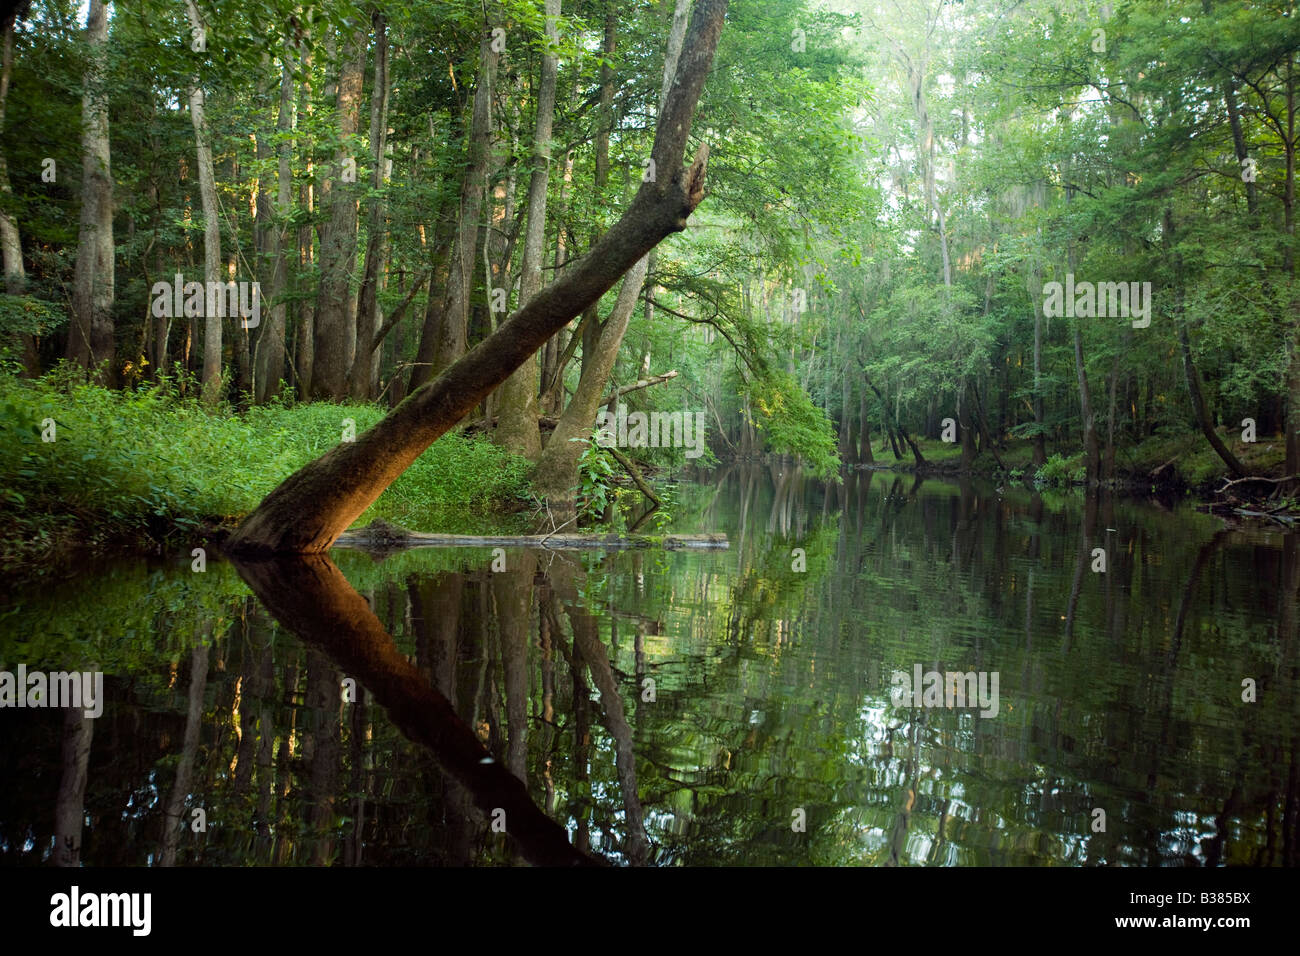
396,315
1271,481
631,469
618,393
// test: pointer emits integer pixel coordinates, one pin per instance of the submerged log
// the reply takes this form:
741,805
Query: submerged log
381,536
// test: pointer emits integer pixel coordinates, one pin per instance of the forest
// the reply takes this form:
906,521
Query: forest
285,206
501,357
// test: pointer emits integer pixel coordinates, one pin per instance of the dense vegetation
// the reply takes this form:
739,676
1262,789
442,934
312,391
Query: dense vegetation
151,465
893,190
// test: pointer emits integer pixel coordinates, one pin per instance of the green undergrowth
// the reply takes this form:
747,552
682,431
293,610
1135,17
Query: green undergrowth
149,466
1190,461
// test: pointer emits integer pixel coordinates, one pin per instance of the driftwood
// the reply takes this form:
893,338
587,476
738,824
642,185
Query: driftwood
381,536
1155,472
631,469
1271,481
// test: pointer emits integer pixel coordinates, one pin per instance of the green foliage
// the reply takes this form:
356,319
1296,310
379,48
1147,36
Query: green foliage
791,423
1060,471
595,479
147,463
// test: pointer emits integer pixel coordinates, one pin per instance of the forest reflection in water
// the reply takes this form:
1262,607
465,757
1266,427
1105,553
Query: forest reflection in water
670,708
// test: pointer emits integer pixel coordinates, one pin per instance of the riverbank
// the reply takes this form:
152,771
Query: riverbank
85,469
1182,463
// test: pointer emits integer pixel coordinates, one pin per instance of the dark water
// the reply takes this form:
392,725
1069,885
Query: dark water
684,708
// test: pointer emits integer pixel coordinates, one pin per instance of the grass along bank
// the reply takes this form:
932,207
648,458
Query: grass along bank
1182,460
148,468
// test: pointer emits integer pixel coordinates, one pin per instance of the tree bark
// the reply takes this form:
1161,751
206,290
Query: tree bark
1193,378
1091,452
269,360
336,330
364,371
552,398
1040,437
305,351
517,429
317,503
90,336
11,246
451,332
590,326
1190,373
557,468
865,453
211,223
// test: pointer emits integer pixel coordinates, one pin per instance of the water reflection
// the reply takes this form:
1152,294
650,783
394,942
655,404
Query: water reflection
684,707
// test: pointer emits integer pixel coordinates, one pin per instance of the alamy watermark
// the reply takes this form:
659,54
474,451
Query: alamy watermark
1102,300
225,300
653,430
75,908
949,689
57,689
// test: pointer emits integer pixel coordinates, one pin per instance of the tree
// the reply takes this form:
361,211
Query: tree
336,330
90,338
316,504
211,218
517,426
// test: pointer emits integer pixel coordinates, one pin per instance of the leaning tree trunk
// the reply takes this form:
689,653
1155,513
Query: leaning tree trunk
1190,374
517,423
317,503
90,335
557,468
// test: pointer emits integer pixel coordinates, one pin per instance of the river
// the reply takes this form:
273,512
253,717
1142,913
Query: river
738,707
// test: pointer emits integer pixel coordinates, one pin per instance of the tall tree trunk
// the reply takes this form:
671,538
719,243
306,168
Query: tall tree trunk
308,511
1040,435
336,330
211,224
1293,300
557,468
11,246
452,331
1091,451
90,335
305,357
553,361
1192,377
590,326
517,421
865,453
269,360
369,318
241,353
